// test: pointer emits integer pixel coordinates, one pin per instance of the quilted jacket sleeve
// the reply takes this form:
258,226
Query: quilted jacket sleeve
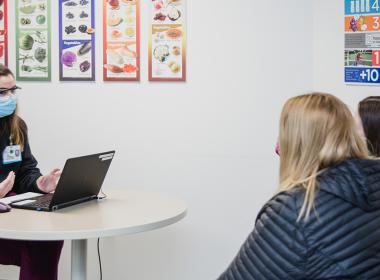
276,248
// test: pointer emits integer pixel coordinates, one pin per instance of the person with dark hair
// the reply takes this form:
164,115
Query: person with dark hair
38,260
369,113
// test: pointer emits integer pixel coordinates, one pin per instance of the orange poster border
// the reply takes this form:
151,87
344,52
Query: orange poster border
138,59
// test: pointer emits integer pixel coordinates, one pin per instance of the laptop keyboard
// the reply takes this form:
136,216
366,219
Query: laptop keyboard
42,201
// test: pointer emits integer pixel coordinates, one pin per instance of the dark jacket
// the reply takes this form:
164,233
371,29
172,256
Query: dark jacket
26,171
340,240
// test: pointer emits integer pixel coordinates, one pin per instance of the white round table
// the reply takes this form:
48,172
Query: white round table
122,212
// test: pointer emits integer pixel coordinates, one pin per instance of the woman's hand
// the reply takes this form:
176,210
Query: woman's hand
48,183
7,184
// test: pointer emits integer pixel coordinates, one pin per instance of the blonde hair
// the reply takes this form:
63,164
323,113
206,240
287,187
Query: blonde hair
316,131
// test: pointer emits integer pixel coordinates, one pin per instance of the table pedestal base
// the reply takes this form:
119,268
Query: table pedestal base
78,259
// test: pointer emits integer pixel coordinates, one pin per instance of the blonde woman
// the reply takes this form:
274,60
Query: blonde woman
324,222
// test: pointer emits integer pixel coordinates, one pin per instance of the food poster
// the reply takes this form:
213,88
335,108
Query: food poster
77,40
3,32
362,42
167,42
121,40
33,54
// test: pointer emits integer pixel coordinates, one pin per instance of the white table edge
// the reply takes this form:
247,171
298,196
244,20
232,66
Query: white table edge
77,235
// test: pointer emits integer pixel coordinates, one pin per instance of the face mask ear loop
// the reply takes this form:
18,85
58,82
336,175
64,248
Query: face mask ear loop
10,140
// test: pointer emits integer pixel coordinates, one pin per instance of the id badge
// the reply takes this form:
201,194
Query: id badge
12,154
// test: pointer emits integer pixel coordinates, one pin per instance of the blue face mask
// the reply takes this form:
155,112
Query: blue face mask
7,105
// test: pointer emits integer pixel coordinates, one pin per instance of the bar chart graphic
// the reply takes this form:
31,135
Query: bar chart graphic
361,6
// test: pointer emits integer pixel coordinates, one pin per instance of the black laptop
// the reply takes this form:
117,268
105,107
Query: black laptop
80,181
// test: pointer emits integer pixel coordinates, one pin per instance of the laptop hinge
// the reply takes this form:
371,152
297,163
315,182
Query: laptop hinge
73,202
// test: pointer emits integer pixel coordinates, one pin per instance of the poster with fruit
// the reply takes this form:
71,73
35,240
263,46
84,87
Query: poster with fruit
362,42
33,53
77,40
3,32
167,41
121,40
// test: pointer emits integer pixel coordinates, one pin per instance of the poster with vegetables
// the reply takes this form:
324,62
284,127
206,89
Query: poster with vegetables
33,57
362,42
121,40
167,41
77,40
3,32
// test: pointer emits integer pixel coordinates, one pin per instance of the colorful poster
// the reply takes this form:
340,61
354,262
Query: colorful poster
3,32
33,54
167,41
362,42
77,40
121,40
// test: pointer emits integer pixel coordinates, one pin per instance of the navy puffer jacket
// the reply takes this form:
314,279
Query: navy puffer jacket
340,240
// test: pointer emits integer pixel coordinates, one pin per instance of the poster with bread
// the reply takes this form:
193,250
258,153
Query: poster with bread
167,41
121,40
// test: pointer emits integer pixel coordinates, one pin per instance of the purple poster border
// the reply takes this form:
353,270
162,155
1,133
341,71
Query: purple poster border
62,42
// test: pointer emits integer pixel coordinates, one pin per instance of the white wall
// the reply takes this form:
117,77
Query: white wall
328,60
209,141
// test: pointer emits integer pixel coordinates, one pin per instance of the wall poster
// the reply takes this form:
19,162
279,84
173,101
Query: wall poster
362,42
33,54
4,32
77,40
167,41
121,40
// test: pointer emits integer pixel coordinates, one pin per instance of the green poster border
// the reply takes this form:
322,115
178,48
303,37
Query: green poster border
18,77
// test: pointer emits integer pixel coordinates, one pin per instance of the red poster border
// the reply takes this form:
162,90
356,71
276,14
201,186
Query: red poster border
6,32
